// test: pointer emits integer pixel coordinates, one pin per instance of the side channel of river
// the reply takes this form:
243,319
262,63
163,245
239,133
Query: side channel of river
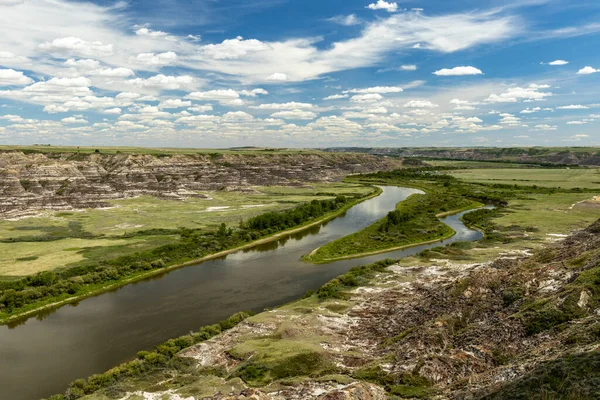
43,355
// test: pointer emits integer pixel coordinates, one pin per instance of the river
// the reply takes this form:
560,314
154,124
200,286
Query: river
41,356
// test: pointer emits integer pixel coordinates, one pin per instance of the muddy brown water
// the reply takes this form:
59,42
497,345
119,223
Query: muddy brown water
42,355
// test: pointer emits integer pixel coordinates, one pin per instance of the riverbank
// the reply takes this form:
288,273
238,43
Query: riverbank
366,319
103,288
450,234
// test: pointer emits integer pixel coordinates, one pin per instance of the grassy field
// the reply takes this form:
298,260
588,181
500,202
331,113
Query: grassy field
91,235
563,178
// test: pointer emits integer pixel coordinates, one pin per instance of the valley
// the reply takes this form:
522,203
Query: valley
378,239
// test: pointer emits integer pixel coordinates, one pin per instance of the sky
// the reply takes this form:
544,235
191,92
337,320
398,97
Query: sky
300,73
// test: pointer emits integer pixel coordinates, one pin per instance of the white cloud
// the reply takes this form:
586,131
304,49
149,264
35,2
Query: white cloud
587,70
73,120
545,127
531,110
409,67
378,89
144,31
514,94
558,62
510,120
295,114
576,122
277,76
366,98
218,94
156,60
458,71
201,108
346,20
83,63
253,92
10,77
336,97
174,103
112,111
75,45
113,72
234,48
284,106
163,82
420,104
573,107
383,5
237,116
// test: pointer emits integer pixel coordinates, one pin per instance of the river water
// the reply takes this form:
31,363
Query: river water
41,356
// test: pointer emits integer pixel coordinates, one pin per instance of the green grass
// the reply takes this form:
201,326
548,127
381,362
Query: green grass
63,239
563,177
421,225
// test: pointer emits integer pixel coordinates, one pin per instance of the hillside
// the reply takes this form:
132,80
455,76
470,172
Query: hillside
584,156
57,180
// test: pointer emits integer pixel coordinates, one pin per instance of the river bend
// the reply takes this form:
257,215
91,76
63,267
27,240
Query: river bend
43,355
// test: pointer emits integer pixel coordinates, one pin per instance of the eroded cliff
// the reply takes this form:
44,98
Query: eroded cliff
30,182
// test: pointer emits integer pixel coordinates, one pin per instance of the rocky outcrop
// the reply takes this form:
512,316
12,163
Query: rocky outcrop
583,157
57,181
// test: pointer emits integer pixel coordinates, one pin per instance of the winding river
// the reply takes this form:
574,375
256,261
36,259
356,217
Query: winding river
43,355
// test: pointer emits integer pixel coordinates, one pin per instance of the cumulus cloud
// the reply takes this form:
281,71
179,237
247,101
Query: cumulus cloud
587,70
336,97
277,76
75,45
295,114
253,92
156,60
73,120
201,108
233,48
163,82
573,107
420,104
10,77
112,111
458,71
514,94
545,127
366,98
558,62
218,94
145,31
531,110
292,105
377,89
174,103
383,5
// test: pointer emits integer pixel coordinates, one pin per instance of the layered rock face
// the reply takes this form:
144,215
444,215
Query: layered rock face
524,155
30,182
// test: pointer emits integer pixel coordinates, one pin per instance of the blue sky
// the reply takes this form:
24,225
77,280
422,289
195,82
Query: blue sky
291,73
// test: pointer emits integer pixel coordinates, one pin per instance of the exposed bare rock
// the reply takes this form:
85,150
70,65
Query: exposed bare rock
61,181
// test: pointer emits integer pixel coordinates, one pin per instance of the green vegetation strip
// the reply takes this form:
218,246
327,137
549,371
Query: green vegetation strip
45,290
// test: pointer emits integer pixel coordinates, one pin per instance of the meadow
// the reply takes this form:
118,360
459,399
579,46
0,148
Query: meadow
547,177
59,240
534,206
